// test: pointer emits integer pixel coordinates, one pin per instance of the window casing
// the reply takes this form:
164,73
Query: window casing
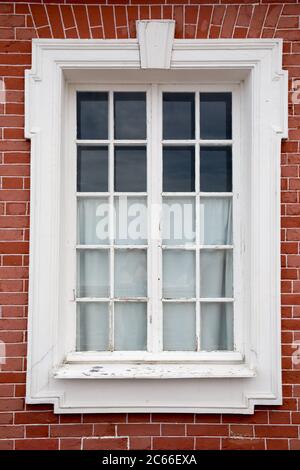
79,381
163,303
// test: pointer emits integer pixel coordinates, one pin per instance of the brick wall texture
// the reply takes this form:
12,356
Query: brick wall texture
36,427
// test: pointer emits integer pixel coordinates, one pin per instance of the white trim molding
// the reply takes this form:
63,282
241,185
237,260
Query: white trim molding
232,385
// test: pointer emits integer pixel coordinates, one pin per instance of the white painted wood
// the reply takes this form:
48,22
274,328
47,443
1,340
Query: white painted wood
255,65
152,371
155,41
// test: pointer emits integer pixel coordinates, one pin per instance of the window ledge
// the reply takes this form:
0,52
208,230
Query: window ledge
152,371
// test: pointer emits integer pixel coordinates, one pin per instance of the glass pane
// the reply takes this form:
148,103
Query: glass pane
179,327
216,221
130,169
93,278
130,273
178,116
92,326
216,273
215,116
178,220
92,115
178,169
215,169
216,326
92,169
131,220
92,221
130,115
178,274
130,326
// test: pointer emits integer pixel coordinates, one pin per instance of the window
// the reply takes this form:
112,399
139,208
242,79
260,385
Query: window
119,264
154,250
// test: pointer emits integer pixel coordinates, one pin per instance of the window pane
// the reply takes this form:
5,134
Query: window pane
216,221
92,115
130,115
178,274
130,169
131,220
216,327
92,169
178,116
92,326
130,326
215,169
93,278
216,273
215,116
93,216
178,220
130,273
178,169
179,327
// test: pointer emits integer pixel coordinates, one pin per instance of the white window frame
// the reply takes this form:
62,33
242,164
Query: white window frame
218,382
154,259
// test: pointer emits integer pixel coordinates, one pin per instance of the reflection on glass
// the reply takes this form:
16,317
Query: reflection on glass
93,214
179,327
92,115
130,115
131,220
93,273
216,273
130,169
216,327
215,169
216,221
178,220
178,274
215,116
92,326
130,326
92,169
178,116
130,273
178,169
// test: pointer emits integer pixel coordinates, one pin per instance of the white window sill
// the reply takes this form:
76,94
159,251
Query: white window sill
152,371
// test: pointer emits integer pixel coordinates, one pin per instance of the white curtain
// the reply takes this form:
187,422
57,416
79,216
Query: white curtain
92,326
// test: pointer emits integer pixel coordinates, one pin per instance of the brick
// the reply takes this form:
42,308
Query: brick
37,444
171,443
95,443
173,429
209,443
276,431
138,429
207,430
140,443
35,417
71,430
243,444
70,444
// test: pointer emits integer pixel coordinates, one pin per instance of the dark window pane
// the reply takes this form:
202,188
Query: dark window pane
130,115
215,169
130,169
178,169
92,169
215,116
178,116
92,115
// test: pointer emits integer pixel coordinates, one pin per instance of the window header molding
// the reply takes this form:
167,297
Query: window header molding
258,379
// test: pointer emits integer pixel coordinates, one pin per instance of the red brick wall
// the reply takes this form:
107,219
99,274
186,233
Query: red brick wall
36,427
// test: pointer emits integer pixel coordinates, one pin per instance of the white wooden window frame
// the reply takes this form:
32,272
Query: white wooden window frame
154,194
214,383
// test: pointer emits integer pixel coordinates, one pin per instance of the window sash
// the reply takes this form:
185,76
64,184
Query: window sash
154,167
